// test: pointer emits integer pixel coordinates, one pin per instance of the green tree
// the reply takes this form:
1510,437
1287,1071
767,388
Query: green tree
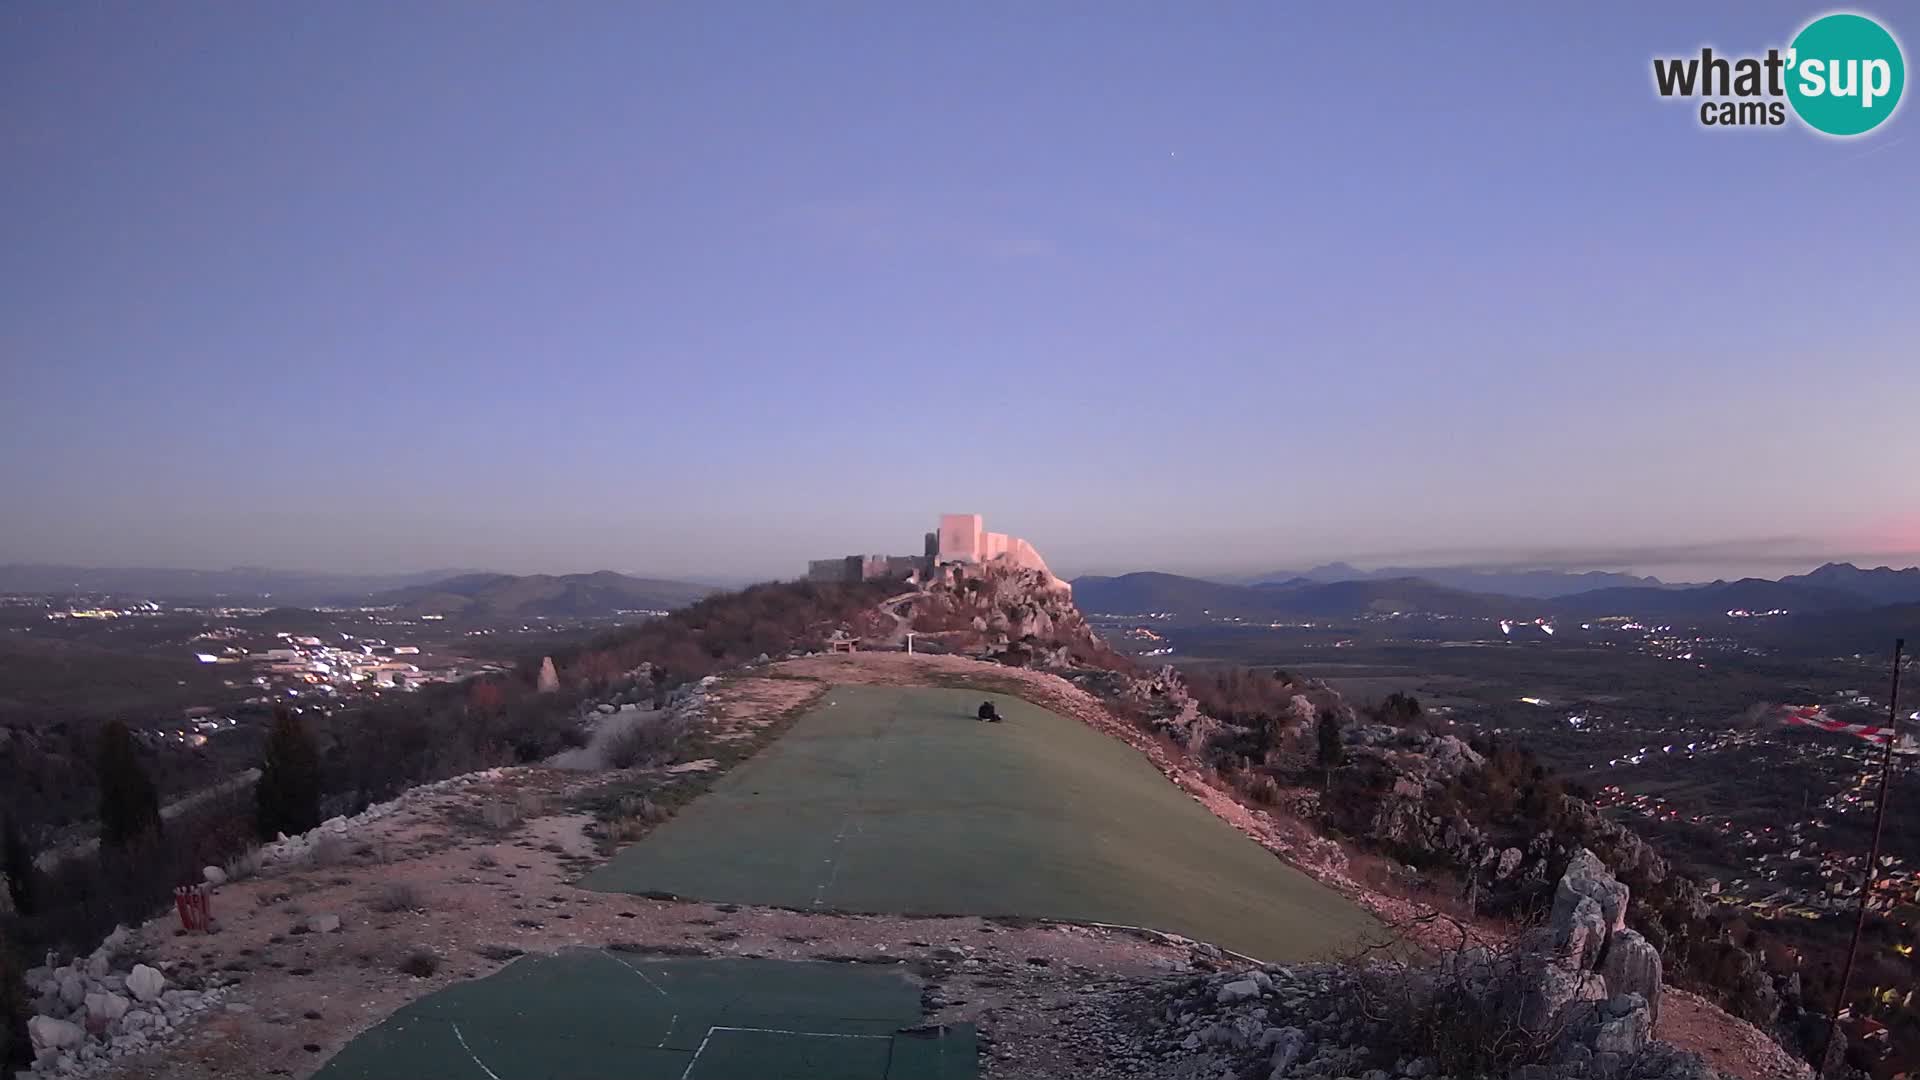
1400,709
1326,732
16,862
287,798
129,804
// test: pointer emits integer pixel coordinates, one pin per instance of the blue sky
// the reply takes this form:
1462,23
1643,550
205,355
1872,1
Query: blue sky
711,289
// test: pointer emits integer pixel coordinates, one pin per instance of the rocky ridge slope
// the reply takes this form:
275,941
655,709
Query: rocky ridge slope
1576,1000
1400,793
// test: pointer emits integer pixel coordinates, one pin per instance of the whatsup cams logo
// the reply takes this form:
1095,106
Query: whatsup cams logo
1842,75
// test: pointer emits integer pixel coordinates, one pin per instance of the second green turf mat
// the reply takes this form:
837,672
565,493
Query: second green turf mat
887,799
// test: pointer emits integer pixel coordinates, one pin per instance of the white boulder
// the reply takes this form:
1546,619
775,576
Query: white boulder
213,875
145,983
1236,991
107,1007
50,1034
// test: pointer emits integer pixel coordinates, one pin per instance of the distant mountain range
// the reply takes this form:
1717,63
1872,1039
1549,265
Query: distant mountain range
243,584
1153,592
1536,583
433,592
1718,598
532,595
1879,585
1834,588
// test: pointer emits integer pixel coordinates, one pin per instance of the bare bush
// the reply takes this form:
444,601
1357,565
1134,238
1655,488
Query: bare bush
1262,788
329,849
632,816
244,865
1467,1014
499,815
420,964
395,897
485,861
645,742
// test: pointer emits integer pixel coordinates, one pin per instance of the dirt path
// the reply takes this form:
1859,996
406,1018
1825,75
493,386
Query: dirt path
902,622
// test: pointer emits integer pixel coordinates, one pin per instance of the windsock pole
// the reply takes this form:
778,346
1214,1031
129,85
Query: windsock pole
1873,856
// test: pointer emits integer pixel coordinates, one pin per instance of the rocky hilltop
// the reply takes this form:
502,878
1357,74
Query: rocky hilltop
1576,999
1512,841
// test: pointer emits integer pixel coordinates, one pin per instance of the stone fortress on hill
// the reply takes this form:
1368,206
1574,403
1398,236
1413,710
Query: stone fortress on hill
961,538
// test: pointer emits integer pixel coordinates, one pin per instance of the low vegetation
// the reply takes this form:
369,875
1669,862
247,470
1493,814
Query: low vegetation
646,742
420,964
395,897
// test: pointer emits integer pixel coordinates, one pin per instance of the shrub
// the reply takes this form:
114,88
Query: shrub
499,815
287,797
129,804
328,850
244,865
1262,789
530,804
1463,1014
420,964
632,816
395,897
645,742
1399,710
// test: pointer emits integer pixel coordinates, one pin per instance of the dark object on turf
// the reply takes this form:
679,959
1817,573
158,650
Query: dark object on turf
988,712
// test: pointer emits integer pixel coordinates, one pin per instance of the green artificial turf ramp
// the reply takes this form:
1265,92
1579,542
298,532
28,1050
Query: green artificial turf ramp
589,1013
887,799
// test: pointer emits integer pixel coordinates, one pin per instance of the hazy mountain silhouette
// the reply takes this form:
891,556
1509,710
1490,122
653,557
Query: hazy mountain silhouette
1541,584
578,595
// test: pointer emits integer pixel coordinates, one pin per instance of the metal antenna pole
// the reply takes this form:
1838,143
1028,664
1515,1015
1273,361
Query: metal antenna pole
1873,855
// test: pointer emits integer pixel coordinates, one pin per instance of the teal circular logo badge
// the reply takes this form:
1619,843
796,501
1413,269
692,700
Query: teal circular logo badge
1845,74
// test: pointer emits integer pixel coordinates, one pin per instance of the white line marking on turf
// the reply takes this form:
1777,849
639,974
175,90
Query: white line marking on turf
805,1034
851,819
471,1054
833,862
767,1031
637,971
701,1049
656,989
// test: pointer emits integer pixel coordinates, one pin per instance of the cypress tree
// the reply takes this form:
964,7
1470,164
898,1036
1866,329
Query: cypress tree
129,803
287,798
1327,733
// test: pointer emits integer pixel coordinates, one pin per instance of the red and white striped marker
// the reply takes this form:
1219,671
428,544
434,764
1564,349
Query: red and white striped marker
1814,716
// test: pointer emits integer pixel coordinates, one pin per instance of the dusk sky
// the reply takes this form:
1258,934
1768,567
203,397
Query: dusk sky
706,290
